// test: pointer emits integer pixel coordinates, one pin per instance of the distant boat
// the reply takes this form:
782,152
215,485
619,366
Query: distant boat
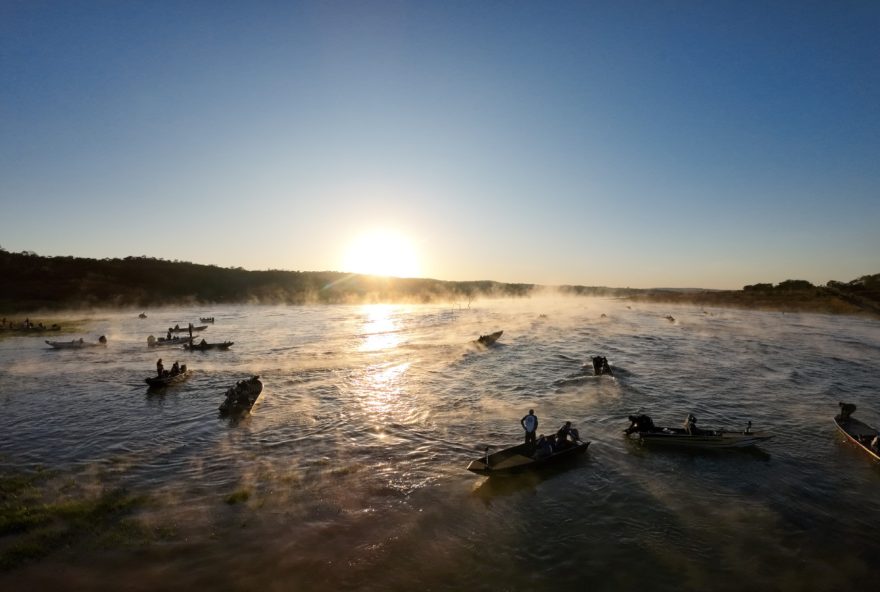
857,432
206,319
78,343
179,329
143,315
162,341
601,366
207,346
489,339
168,380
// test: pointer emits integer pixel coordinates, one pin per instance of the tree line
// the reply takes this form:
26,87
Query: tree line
33,282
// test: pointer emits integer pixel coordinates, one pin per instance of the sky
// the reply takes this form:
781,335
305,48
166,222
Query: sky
620,143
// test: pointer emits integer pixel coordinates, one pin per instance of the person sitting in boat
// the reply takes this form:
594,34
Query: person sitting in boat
597,365
176,327
168,337
175,368
183,368
566,436
875,443
160,369
640,423
690,425
102,339
543,447
203,343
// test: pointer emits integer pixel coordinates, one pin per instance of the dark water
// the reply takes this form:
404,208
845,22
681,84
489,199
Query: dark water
354,458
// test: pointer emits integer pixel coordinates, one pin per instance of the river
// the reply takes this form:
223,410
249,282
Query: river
350,472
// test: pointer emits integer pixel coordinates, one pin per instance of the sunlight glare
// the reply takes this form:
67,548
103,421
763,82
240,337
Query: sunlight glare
383,253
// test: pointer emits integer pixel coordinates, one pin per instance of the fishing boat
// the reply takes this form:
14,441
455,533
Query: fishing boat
489,339
78,343
522,458
242,397
143,315
204,346
857,432
206,319
601,366
163,341
168,379
179,329
697,438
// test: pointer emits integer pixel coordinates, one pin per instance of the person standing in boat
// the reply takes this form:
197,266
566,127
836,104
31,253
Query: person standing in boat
160,368
530,425
690,425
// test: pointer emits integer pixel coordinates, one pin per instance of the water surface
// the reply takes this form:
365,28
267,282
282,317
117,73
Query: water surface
353,461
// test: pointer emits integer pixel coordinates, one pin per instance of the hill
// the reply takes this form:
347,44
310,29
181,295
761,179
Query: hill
33,282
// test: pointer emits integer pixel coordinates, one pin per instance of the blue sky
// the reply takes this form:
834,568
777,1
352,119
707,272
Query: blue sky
641,144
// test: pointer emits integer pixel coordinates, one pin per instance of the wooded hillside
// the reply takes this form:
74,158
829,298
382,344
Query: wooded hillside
32,282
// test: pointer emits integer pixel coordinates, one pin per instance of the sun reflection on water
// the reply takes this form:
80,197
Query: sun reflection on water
380,328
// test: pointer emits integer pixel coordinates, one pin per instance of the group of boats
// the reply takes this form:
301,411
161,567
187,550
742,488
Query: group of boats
240,398
528,456
188,340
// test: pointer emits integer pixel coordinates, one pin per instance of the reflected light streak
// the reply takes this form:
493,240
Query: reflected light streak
380,328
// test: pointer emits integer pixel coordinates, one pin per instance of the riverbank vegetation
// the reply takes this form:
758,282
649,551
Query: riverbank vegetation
42,512
37,283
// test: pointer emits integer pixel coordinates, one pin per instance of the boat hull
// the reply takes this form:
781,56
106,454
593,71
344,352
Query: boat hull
156,382
74,344
489,339
207,346
162,341
678,438
859,433
520,459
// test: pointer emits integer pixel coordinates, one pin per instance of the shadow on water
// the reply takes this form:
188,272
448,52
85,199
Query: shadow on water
508,485
754,452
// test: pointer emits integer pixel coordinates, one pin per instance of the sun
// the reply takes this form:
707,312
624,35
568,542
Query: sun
382,252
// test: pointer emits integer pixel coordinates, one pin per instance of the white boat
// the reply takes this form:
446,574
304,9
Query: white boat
78,343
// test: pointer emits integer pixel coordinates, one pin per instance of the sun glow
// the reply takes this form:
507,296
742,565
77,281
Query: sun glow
382,252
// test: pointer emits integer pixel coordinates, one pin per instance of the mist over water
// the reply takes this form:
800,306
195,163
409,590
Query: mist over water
355,456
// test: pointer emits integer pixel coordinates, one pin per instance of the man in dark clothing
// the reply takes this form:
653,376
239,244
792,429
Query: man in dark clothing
530,425
159,368
566,435
640,423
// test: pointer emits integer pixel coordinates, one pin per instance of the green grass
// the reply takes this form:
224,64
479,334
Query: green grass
242,495
35,522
